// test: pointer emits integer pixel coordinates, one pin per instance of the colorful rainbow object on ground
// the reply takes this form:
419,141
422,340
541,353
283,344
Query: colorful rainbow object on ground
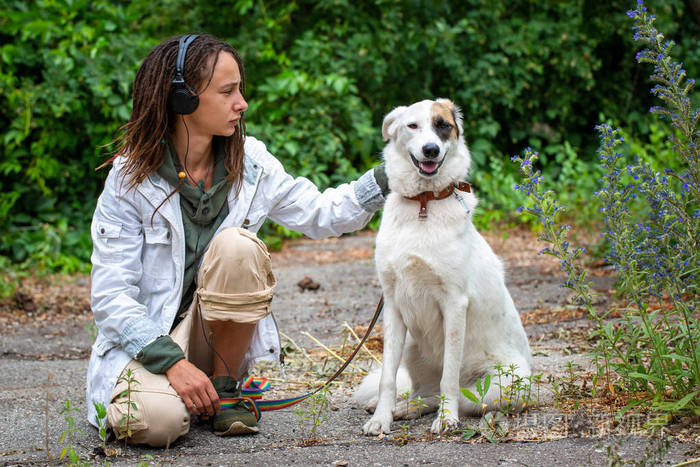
252,387
251,395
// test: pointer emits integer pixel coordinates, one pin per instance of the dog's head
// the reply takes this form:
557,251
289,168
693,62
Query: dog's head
426,149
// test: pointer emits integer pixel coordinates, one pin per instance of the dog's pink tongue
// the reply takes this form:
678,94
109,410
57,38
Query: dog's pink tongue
428,167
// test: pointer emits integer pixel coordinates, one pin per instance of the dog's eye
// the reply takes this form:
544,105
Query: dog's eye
443,125
413,126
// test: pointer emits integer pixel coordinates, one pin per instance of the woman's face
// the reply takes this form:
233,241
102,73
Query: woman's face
221,104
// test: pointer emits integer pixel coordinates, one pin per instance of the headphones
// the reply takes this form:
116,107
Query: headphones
182,98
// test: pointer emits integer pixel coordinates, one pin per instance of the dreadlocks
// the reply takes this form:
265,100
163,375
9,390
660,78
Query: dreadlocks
152,123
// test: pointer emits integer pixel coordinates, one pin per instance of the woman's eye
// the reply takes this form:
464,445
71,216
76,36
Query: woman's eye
413,126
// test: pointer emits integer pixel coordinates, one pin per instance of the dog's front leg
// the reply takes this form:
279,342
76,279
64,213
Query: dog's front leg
454,313
394,338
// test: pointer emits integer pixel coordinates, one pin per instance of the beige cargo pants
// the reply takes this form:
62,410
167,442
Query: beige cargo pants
234,283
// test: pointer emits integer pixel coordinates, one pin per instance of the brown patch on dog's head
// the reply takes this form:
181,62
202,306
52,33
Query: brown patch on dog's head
445,117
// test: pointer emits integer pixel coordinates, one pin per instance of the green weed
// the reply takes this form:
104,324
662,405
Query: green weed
490,426
124,430
101,421
68,435
315,411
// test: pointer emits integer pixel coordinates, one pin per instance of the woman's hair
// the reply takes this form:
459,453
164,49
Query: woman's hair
153,123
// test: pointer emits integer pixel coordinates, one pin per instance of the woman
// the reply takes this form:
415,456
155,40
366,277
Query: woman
181,286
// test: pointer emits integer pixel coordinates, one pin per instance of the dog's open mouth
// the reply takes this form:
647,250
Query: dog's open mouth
428,168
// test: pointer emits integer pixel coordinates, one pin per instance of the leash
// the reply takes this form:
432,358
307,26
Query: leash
254,387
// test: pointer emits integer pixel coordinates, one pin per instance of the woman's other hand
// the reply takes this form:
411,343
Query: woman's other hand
194,387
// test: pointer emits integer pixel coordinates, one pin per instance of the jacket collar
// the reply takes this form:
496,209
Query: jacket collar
156,189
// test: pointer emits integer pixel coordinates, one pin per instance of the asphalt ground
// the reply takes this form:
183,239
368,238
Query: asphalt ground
43,366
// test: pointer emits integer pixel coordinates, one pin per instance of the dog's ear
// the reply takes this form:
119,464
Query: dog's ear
456,112
388,127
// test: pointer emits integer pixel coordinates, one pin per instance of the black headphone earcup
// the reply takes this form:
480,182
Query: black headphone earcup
182,101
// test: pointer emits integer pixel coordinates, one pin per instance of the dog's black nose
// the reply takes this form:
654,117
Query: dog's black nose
431,150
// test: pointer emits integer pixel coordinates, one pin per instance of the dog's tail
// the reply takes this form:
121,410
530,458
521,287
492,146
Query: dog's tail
367,394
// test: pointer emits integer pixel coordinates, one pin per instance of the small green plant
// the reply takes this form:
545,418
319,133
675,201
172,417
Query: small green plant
314,409
319,409
482,388
517,395
537,379
91,328
490,427
418,405
403,436
572,385
146,460
406,397
101,422
68,434
442,410
124,430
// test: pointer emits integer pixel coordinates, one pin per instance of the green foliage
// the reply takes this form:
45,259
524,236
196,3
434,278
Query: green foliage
490,426
101,422
68,434
125,424
65,70
321,76
443,411
314,410
653,354
482,388
146,460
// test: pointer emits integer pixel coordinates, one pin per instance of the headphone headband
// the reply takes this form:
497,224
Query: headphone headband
185,42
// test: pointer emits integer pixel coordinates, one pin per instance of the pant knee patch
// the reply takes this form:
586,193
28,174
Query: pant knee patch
240,308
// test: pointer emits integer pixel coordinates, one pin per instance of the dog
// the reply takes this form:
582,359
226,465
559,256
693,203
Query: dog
448,316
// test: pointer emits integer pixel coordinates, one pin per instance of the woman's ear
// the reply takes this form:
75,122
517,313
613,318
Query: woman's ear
389,127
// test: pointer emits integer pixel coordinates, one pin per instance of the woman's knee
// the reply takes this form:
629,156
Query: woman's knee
237,243
236,262
153,419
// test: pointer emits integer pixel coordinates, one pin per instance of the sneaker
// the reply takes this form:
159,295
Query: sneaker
238,416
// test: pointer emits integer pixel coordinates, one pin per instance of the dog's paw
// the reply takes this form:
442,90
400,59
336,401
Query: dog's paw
445,424
377,425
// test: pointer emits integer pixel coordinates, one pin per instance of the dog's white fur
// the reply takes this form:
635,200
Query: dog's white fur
448,317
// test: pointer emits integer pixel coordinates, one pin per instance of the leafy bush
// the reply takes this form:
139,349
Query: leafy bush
652,220
64,76
322,74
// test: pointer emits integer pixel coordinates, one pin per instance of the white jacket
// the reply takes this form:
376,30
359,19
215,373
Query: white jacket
137,268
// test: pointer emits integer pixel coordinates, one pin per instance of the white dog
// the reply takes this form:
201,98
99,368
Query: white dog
448,317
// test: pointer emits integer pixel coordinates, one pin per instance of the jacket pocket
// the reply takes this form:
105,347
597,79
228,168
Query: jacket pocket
157,251
157,235
108,234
